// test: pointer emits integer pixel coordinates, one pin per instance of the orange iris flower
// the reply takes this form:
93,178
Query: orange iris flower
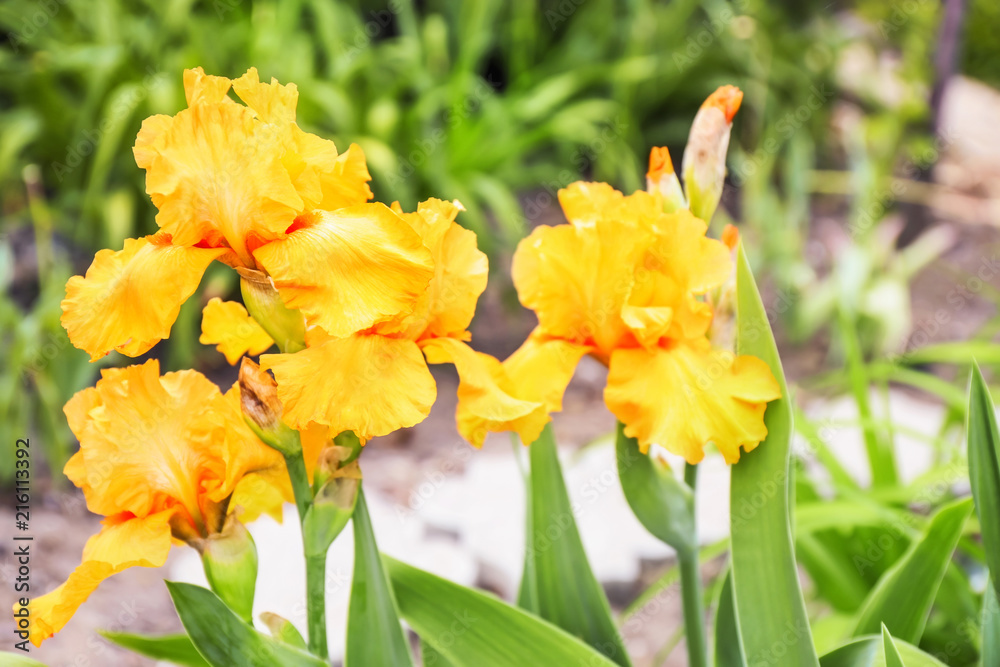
624,282
165,460
245,185
377,380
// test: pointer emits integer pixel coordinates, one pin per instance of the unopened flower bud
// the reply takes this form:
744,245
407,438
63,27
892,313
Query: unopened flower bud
230,561
286,326
262,410
704,163
662,179
338,479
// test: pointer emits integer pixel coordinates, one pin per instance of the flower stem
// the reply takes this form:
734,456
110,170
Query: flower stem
315,564
691,595
316,604
301,488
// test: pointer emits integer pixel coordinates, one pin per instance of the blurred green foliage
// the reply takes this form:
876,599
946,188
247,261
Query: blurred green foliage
982,52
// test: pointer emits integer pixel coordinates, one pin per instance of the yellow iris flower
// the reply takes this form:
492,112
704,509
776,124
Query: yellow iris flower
625,282
377,380
165,460
243,184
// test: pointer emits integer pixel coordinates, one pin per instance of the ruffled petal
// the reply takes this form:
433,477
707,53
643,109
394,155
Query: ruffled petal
349,269
585,203
679,265
324,179
228,326
129,299
122,543
648,324
152,443
461,270
687,396
369,384
217,176
271,102
542,368
145,142
482,404
344,182
578,278
201,88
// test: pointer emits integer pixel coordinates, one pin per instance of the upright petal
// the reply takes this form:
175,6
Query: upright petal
228,326
129,299
122,543
585,203
324,179
349,269
369,384
344,181
271,102
577,279
688,396
461,270
217,176
680,264
201,88
483,404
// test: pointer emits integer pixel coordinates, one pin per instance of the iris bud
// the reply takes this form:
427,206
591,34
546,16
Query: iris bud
287,327
230,561
704,163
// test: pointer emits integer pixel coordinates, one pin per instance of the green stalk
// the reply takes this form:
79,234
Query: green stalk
691,594
301,488
315,565
316,604
263,414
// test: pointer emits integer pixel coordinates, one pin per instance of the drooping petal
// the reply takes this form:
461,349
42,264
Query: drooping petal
578,278
349,269
228,326
152,443
369,384
461,271
688,396
542,368
129,299
216,175
536,375
483,405
122,543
